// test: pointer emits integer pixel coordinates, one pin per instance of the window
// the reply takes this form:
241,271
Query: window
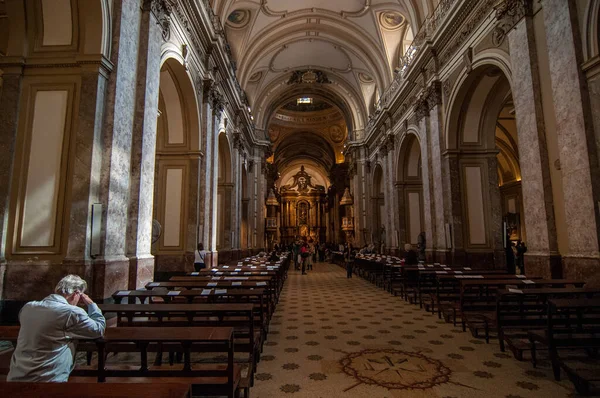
304,100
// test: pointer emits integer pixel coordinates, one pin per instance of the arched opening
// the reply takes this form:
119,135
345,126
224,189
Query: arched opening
176,167
377,203
308,132
410,191
224,195
483,129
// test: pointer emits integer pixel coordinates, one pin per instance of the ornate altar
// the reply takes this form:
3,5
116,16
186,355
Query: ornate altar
302,209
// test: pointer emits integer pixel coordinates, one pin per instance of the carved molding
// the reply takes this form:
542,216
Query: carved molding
284,13
508,14
214,98
161,9
434,94
421,110
476,18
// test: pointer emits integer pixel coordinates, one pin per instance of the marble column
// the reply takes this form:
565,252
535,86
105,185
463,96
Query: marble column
214,222
495,211
453,212
357,194
542,257
111,270
445,210
236,201
403,227
574,129
429,198
143,153
392,213
88,162
209,168
10,92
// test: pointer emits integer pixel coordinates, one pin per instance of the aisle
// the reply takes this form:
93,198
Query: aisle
334,337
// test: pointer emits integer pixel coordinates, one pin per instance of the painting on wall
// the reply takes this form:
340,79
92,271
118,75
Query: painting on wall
392,20
238,18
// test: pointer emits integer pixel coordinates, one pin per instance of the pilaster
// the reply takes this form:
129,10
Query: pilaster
143,154
542,258
574,129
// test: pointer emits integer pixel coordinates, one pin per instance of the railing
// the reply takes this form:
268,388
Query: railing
427,30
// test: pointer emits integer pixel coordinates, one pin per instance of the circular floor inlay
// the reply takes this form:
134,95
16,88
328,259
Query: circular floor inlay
394,369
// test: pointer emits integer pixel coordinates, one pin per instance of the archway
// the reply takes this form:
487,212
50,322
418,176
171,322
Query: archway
177,141
224,195
410,191
377,203
482,128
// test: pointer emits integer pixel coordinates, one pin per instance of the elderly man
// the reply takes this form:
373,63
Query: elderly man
45,349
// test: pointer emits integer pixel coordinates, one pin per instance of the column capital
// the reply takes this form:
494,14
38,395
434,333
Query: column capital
508,14
421,109
161,9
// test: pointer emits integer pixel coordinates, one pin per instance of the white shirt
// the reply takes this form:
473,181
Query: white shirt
45,349
199,256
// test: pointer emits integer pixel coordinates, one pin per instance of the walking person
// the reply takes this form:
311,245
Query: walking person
304,255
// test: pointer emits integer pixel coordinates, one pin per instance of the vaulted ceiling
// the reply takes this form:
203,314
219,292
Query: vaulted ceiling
356,43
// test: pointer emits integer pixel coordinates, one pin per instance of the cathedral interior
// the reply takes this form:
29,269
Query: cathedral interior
133,130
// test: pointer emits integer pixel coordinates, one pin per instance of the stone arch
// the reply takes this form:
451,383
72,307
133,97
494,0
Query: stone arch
224,193
409,185
591,36
66,26
178,94
481,127
177,145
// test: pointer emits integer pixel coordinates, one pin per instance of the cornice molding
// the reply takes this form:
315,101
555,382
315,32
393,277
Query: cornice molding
284,13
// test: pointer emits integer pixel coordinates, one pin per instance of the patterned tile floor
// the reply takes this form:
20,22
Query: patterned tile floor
334,337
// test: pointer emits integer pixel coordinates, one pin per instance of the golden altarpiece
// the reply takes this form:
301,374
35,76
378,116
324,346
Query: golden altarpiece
303,209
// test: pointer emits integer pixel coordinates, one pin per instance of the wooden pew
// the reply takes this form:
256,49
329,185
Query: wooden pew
218,379
572,324
270,283
238,316
447,293
95,390
431,289
205,379
219,285
255,296
521,310
478,298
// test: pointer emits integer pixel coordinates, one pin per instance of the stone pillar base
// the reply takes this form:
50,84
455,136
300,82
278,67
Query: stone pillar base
225,256
33,280
582,268
212,259
546,266
107,276
167,265
141,271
